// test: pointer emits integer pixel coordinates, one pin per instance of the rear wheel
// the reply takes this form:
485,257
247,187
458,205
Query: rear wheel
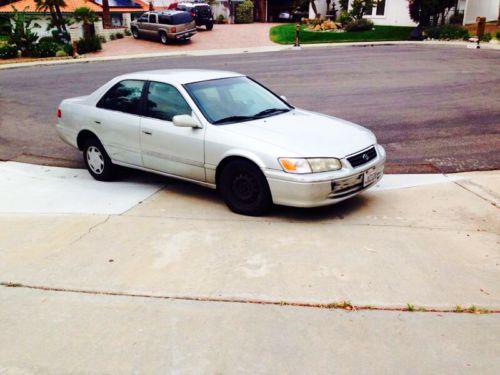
244,188
163,38
97,161
210,26
135,33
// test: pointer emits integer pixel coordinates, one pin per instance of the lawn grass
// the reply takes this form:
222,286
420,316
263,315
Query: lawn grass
3,40
285,34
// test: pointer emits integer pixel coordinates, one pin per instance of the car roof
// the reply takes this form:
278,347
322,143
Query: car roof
181,76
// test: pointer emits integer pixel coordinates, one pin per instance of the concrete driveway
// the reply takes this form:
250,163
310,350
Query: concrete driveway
172,282
220,37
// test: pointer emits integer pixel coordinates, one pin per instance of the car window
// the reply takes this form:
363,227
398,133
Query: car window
164,102
125,96
143,18
152,18
236,96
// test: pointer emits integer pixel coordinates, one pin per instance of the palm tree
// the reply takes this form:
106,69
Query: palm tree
106,17
87,17
54,7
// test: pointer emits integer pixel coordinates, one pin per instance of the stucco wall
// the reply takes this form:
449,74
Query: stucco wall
481,8
396,13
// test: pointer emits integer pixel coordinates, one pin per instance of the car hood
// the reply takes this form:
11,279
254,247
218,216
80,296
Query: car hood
307,134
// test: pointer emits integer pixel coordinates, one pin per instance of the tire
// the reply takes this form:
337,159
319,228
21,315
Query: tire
135,33
97,161
163,38
244,188
210,26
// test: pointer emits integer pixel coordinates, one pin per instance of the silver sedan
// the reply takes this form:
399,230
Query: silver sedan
225,131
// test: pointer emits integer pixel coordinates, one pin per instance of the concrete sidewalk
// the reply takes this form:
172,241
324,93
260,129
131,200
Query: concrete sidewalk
176,283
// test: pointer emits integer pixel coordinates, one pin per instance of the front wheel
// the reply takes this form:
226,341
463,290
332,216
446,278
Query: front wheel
210,26
245,189
97,161
135,33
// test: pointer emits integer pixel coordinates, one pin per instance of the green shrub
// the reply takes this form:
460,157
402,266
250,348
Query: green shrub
112,36
88,45
486,37
61,53
102,38
448,32
497,35
220,18
244,12
127,32
68,48
8,52
344,18
119,36
46,39
46,48
361,24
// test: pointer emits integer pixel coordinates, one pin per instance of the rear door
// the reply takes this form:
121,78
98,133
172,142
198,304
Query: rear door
166,147
117,123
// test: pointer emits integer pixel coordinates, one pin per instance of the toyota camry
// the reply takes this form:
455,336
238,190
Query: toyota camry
225,131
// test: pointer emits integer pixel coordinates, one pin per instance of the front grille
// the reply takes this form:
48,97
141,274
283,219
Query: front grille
363,157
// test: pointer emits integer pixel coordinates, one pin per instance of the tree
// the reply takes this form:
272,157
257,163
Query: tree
22,34
106,17
87,17
54,7
422,11
358,8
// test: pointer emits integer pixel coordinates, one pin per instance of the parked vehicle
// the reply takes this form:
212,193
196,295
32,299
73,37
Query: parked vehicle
201,12
166,25
222,130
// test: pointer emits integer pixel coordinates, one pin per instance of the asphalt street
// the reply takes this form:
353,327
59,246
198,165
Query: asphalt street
435,109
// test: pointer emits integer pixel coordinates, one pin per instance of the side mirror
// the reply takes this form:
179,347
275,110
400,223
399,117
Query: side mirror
284,98
186,121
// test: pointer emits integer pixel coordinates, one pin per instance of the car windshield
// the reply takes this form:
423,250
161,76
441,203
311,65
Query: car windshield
236,99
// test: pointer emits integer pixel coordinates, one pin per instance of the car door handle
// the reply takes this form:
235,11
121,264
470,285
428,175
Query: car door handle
97,122
147,133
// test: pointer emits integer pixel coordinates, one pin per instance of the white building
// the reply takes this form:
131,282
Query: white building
395,12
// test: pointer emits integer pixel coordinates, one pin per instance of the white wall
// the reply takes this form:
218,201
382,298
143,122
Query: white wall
396,13
481,8
42,30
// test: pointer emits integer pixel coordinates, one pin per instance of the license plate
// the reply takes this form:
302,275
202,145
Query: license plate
369,177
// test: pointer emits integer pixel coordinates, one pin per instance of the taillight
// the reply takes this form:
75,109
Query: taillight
173,29
59,113
193,14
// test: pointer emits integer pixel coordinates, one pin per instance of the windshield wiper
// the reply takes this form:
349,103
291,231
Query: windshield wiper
233,119
261,114
270,111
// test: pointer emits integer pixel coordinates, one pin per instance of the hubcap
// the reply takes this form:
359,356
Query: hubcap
95,160
245,188
164,38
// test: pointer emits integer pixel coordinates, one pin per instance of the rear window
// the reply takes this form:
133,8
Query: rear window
175,19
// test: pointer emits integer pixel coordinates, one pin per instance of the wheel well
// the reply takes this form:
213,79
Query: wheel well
83,137
225,162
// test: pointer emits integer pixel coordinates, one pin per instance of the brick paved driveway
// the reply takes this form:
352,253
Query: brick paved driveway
222,36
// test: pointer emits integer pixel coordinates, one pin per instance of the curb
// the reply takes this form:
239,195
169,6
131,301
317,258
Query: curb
234,51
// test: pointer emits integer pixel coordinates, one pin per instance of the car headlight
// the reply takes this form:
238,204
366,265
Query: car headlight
313,165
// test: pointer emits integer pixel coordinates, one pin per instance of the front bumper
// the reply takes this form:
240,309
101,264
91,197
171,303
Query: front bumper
322,189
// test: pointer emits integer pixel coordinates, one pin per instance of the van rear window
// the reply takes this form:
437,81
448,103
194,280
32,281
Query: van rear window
175,19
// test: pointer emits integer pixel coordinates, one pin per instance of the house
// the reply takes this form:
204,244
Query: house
122,12
395,12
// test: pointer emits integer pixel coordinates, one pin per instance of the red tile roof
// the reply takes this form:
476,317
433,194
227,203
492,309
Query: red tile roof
71,5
